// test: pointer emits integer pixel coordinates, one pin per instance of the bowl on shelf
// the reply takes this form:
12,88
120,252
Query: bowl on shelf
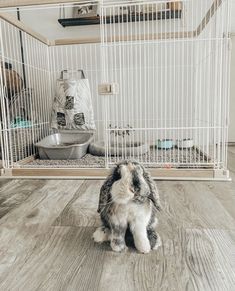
186,143
165,144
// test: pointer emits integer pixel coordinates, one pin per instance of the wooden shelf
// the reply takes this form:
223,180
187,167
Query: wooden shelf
95,20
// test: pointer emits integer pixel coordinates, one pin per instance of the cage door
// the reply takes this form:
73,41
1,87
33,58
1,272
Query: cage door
125,133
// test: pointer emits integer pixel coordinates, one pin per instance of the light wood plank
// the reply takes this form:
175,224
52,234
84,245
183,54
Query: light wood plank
82,209
225,193
19,3
50,197
190,259
138,37
14,192
3,182
20,25
209,15
183,174
71,41
24,161
59,259
192,205
93,173
231,149
231,159
20,227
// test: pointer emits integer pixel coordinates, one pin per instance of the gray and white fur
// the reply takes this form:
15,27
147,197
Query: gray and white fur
129,200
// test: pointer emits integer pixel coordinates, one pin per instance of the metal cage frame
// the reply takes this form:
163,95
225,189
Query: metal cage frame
125,48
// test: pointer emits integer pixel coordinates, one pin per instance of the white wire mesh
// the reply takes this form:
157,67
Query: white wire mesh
25,98
173,76
173,79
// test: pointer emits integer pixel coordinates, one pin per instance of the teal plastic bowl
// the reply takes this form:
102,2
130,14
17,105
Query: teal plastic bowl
165,144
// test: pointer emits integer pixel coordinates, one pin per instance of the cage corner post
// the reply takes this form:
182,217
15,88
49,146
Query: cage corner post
4,135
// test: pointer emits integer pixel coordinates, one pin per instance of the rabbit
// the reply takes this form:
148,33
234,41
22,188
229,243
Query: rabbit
129,200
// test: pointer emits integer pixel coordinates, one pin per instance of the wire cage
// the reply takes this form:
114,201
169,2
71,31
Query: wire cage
162,69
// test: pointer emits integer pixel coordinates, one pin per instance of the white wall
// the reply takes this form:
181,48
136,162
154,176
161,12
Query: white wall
232,96
232,91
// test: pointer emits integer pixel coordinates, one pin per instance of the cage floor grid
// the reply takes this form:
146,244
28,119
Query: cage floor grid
155,158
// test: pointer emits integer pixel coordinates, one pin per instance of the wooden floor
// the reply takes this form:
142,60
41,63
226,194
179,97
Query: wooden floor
46,244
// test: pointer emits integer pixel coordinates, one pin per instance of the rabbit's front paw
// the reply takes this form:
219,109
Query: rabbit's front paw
118,245
101,234
143,246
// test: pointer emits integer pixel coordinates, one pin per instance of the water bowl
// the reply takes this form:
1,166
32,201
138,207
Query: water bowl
165,144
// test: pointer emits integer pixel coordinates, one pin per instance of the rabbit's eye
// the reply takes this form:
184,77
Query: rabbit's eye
139,169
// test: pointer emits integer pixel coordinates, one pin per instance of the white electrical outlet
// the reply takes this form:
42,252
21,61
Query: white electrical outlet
108,89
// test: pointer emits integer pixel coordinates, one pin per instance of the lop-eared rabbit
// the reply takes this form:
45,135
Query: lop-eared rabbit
129,200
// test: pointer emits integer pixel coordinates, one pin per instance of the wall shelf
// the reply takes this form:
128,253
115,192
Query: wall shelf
95,20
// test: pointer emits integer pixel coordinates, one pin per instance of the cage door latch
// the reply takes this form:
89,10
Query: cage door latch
108,89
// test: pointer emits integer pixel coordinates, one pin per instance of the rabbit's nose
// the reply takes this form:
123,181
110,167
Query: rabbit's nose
132,190
130,166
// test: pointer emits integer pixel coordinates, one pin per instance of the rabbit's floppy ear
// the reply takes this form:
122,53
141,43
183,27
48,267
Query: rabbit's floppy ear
105,191
104,196
154,195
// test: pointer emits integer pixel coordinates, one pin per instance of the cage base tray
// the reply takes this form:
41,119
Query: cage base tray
174,158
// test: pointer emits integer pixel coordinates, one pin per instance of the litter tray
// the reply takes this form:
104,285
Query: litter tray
64,146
